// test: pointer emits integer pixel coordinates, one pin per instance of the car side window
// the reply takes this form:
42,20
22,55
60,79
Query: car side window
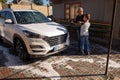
9,15
2,14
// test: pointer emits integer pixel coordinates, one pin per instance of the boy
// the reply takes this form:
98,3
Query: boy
84,35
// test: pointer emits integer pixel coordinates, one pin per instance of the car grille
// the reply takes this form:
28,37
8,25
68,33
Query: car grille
56,39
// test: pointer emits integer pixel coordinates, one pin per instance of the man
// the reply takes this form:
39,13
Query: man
79,17
78,22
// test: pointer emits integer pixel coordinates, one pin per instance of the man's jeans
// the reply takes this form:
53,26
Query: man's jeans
84,44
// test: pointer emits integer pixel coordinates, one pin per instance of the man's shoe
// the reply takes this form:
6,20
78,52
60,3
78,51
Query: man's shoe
82,52
88,53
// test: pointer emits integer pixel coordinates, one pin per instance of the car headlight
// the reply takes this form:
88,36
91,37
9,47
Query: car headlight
31,34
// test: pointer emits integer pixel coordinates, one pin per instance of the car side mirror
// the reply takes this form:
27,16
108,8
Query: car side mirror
50,19
8,21
2,21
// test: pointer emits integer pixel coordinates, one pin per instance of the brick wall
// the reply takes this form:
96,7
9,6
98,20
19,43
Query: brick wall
19,6
46,10
42,9
2,6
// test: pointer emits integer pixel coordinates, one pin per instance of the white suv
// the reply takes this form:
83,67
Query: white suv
31,33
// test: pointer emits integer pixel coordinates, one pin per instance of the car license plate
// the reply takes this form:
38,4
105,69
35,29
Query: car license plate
60,46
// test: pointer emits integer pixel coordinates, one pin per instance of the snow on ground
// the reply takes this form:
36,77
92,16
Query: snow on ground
45,68
112,64
12,60
69,67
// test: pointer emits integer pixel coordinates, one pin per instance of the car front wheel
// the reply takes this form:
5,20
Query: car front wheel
20,49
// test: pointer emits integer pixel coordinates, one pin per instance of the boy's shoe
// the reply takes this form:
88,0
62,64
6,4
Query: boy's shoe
87,53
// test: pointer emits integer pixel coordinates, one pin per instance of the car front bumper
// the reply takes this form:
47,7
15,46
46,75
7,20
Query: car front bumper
41,47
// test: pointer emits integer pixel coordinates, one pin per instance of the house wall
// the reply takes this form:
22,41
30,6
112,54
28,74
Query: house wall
116,26
94,8
100,10
108,10
58,11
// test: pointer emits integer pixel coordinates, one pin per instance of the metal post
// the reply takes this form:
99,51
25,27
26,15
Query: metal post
48,9
31,5
111,36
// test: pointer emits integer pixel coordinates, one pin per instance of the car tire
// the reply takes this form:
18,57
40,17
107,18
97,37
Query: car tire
20,49
1,39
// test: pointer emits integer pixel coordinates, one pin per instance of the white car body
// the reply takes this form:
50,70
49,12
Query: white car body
53,36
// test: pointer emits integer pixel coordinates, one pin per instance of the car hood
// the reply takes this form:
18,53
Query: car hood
47,29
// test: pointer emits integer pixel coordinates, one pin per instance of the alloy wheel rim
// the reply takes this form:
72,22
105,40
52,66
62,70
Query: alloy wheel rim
20,49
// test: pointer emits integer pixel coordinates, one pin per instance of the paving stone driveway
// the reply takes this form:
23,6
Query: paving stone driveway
67,65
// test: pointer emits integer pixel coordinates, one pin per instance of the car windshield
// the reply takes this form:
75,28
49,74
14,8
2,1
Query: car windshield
27,17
